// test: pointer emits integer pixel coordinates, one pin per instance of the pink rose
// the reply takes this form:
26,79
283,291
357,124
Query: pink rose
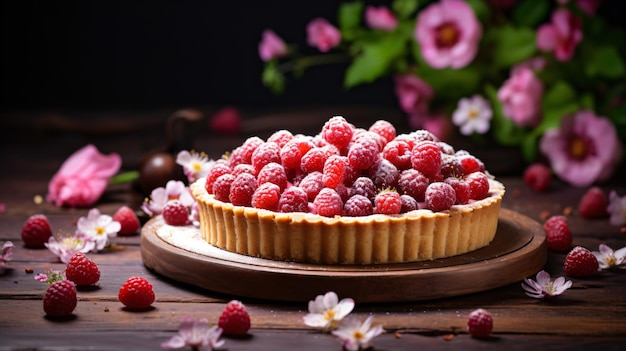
413,93
271,46
83,177
380,18
561,36
322,35
521,97
448,33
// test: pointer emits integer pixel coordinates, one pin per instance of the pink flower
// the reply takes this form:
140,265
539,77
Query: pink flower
6,253
617,209
83,177
561,36
585,149
322,35
271,46
173,190
413,93
521,97
448,33
380,18
65,245
196,334
437,124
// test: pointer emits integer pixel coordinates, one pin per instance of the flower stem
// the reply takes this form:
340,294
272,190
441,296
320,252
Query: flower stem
304,62
125,177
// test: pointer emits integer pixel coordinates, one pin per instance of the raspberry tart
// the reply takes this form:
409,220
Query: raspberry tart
348,195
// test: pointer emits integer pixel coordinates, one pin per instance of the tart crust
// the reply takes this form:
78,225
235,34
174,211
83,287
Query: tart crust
304,237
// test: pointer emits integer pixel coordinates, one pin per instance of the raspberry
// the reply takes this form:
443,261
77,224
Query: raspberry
175,213
243,168
328,203
398,152
426,158
241,189
127,219
266,196
243,154
384,174
408,203
36,231
266,153
358,205
314,160
136,293
293,199
334,170
234,319
384,129
451,167
388,202
479,185
312,184
215,172
407,138
350,175
593,204
291,153
377,138
423,135
480,324
461,190
222,185
470,163
445,148
558,234
439,196
60,299
538,177
82,270
337,131
226,120
280,137
343,191
363,186
413,183
273,173
363,153
580,262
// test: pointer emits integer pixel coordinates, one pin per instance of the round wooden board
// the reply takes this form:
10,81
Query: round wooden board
517,251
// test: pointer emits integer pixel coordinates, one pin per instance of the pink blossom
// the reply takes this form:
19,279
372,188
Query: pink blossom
6,253
83,177
584,149
322,35
271,46
380,18
589,7
65,245
413,93
561,36
617,209
448,33
437,124
173,190
521,97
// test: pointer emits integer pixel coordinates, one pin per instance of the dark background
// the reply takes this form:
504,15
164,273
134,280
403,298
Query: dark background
137,54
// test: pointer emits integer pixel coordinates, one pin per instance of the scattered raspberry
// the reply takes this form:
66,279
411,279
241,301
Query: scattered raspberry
388,202
36,231
363,153
82,270
281,137
408,204
328,203
136,293
558,234
175,213
222,185
266,196
227,120
480,324
337,131
128,221
479,185
215,172
384,174
241,189
60,299
413,183
273,173
358,205
293,199
461,190
334,170
439,196
593,204
384,129
234,319
426,158
265,153
398,152
580,262
363,186
538,177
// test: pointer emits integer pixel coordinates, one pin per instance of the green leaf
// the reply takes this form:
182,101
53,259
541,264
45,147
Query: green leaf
350,14
451,83
374,60
272,78
405,8
606,62
512,45
482,10
530,13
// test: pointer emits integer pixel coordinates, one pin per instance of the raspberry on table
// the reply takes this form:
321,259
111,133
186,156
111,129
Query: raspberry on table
412,182
128,220
558,234
265,153
241,189
363,186
82,270
538,177
136,293
234,319
480,324
36,231
580,262
334,170
60,299
479,185
439,196
593,203
266,196
358,205
337,131
398,152
388,202
426,158
293,199
384,174
222,185
273,173
175,213
384,129
328,203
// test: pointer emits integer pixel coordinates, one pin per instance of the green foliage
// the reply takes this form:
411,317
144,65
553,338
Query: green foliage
405,8
531,13
374,60
350,14
511,45
273,79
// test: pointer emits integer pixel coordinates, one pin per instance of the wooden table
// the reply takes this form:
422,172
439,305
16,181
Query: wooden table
591,315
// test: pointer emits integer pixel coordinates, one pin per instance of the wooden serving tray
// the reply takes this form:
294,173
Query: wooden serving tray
517,251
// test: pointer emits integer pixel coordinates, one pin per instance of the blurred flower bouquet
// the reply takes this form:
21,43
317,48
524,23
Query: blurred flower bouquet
548,77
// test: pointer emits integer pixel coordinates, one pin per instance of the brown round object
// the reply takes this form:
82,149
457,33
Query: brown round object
156,170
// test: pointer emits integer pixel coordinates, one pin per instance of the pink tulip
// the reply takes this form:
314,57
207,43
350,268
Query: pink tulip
322,35
448,33
83,177
380,18
521,97
271,46
561,36
413,93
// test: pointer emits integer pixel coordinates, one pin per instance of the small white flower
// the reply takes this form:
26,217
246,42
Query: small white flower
356,335
6,253
98,227
195,165
195,334
617,209
326,310
607,258
545,286
66,245
472,115
173,190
